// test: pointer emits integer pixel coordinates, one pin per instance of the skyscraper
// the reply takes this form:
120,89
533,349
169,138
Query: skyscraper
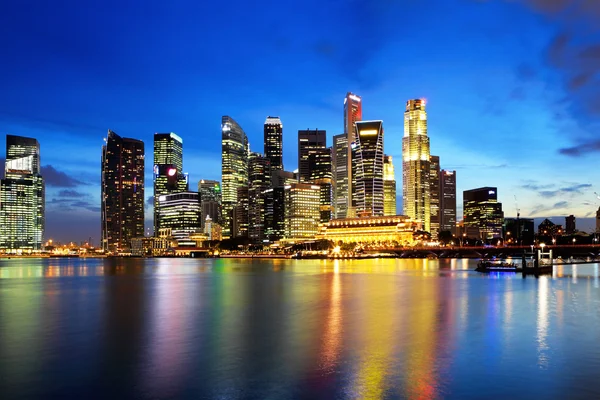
434,190
122,192
389,187
259,180
320,175
352,114
180,213
301,211
340,174
22,196
274,142
570,225
168,173
448,201
415,165
369,168
239,215
234,168
309,142
483,212
210,200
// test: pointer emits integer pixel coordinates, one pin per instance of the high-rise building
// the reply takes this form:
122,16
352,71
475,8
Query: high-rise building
352,114
320,175
483,212
416,196
340,174
448,201
181,213
434,192
122,192
570,226
210,200
519,231
274,142
259,180
275,213
239,215
309,141
301,211
369,168
168,173
234,169
598,220
22,196
389,187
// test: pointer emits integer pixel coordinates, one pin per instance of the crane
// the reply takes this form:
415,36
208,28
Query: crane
597,195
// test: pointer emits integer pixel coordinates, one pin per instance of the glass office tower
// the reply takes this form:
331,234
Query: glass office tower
369,168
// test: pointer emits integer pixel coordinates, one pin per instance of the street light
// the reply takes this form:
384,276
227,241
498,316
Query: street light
574,240
542,245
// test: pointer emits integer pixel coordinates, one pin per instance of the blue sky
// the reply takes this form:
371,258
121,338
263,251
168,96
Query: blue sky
512,89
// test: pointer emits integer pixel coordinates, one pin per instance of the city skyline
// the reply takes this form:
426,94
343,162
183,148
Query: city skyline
474,124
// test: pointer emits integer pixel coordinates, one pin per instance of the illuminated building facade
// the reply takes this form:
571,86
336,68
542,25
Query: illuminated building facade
168,173
22,196
389,187
483,211
396,230
309,142
181,213
369,168
122,192
259,180
301,202
448,201
320,175
234,169
415,164
352,114
434,191
275,213
274,142
340,174
239,225
210,200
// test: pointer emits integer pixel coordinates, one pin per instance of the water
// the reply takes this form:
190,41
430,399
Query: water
279,329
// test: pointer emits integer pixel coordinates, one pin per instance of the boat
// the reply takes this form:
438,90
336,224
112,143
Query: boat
497,265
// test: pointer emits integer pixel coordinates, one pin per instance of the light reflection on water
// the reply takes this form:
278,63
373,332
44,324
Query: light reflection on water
367,329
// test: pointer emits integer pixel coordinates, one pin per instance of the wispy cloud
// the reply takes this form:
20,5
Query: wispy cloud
56,178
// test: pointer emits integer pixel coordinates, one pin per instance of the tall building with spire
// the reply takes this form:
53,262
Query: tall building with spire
168,176
389,187
274,142
22,196
234,169
122,192
369,168
352,114
416,164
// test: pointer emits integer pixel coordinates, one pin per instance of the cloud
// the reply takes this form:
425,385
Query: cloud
551,190
150,201
71,193
581,149
56,178
71,205
542,208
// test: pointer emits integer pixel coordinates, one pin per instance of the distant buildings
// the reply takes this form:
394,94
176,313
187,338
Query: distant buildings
570,226
598,220
210,200
483,215
389,187
368,156
415,164
239,219
274,142
122,201
315,166
22,197
259,180
448,201
519,231
234,169
549,228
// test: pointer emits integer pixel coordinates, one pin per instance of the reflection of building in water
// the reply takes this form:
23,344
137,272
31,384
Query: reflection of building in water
397,228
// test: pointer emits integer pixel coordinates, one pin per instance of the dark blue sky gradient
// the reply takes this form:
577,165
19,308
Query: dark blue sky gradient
513,94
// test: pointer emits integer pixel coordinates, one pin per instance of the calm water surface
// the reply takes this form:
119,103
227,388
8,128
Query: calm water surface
279,329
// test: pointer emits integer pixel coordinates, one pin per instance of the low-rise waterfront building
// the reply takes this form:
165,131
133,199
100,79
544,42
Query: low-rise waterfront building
396,229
